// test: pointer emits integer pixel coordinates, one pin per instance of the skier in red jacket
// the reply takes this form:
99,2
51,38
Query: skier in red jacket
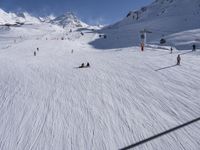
142,46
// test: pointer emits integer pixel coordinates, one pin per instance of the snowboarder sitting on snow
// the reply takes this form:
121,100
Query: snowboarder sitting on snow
88,64
82,66
178,60
193,47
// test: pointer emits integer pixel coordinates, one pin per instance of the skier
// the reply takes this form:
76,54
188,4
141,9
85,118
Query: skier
34,53
171,50
82,65
193,47
38,49
178,60
88,64
142,46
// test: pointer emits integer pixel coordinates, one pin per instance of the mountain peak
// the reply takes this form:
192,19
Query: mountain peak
6,17
26,17
12,18
159,9
68,19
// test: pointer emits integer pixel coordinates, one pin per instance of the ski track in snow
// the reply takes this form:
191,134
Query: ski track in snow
48,104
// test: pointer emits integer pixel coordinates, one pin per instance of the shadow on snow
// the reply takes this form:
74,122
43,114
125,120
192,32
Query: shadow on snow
166,67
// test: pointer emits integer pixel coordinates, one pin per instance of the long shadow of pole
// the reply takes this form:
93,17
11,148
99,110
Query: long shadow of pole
166,67
160,134
173,65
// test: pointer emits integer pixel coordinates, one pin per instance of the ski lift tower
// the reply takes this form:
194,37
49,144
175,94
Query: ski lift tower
143,35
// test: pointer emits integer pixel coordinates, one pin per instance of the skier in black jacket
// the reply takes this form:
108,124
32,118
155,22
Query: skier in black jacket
193,47
88,64
178,60
82,66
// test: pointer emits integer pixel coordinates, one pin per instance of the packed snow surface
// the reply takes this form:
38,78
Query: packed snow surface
47,103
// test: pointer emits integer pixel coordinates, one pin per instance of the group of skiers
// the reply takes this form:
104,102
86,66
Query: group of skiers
171,51
34,53
142,49
179,56
83,65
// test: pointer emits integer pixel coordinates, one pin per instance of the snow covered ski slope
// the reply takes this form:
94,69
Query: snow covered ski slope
46,103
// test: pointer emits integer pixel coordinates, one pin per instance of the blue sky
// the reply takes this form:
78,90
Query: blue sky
90,11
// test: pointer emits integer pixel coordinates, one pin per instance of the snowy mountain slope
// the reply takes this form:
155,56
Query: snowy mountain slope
162,18
68,20
13,18
46,103
27,18
5,17
165,9
47,19
184,40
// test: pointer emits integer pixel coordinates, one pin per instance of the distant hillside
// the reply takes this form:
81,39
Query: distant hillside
162,18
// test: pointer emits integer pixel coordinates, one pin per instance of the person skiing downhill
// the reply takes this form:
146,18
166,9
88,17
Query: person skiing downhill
34,53
171,50
142,46
193,47
178,60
